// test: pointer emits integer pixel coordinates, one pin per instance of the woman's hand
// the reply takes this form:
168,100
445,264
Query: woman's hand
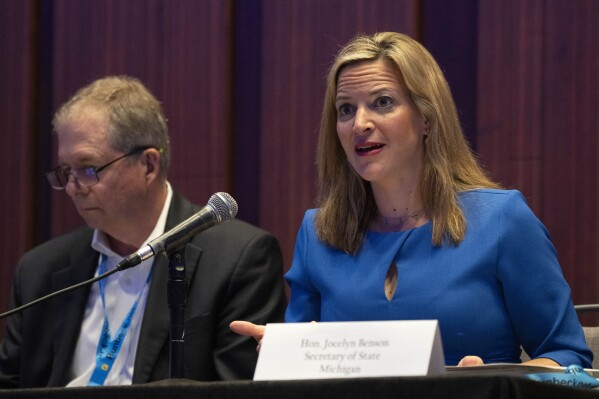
477,361
249,330
470,361
542,361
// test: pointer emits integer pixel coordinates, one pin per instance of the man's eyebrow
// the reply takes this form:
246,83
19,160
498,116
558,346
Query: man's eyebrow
85,159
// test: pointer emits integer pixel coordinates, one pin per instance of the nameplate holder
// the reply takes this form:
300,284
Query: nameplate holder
298,351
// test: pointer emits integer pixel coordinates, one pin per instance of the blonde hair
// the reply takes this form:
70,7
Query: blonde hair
345,201
135,115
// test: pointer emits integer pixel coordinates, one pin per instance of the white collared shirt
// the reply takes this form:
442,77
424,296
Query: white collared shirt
121,291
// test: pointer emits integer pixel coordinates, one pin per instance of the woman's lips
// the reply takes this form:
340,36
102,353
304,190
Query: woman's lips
369,149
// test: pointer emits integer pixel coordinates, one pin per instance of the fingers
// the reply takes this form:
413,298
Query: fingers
471,361
248,329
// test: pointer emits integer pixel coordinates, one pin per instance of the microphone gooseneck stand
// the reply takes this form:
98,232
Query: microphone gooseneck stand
177,299
220,208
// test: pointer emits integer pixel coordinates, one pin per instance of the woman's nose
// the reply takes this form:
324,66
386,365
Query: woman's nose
363,121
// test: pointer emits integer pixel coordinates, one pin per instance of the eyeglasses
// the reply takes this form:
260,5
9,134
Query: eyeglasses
85,177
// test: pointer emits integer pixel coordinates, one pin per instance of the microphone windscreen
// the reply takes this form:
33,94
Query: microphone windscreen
224,205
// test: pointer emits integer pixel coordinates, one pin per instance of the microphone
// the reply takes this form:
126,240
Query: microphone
221,207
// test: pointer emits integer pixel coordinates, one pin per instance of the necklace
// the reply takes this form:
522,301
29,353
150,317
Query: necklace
384,223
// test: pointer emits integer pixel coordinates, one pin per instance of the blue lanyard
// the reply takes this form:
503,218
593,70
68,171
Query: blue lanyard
108,349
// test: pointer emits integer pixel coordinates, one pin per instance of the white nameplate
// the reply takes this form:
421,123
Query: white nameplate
296,351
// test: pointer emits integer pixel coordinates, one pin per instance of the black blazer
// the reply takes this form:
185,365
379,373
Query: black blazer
234,271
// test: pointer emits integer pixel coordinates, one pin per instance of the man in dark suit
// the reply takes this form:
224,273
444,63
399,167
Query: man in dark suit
113,151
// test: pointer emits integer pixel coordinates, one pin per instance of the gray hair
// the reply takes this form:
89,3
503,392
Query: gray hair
135,115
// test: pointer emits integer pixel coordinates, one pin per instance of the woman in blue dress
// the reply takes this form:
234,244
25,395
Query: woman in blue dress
409,226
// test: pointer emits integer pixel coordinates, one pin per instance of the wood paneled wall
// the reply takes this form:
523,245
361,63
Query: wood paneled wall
538,107
17,132
180,50
241,82
298,46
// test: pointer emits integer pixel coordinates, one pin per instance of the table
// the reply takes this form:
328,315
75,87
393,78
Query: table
462,387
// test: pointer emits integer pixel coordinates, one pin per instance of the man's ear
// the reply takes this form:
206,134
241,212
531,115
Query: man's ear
151,159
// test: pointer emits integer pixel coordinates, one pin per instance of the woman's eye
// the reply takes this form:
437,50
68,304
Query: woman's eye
345,109
383,102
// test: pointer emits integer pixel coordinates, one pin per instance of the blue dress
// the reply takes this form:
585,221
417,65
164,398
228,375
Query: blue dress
499,289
